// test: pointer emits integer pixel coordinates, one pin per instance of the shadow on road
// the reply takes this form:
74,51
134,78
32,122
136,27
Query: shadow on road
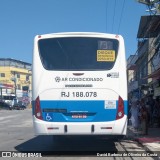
82,145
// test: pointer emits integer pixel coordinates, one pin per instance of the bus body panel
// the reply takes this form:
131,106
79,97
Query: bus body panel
80,111
80,99
100,128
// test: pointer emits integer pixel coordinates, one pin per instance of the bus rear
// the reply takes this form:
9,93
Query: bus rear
79,84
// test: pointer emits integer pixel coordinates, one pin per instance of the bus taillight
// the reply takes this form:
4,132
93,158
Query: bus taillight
38,112
120,110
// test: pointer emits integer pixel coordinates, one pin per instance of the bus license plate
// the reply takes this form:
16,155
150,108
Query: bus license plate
79,116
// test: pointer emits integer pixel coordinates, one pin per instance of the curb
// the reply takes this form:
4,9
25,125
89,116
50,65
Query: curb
148,150
136,137
141,143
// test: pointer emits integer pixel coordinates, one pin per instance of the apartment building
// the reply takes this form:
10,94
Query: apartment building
147,66
15,73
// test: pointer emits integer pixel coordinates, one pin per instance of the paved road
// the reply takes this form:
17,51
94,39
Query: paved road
17,134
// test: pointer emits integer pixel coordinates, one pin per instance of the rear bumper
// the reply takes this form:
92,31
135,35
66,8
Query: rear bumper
118,127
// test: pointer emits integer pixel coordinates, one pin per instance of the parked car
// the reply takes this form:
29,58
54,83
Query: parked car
19,106
1,100
4,105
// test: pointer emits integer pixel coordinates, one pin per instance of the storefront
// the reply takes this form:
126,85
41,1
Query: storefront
4,86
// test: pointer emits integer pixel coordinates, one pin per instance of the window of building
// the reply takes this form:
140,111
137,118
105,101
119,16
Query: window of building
18,75
2,74
25,88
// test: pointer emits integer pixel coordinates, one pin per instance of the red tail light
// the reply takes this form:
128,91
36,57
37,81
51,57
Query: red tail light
38,112
120,110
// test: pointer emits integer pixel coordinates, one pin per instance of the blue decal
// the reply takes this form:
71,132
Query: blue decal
86,111
48,117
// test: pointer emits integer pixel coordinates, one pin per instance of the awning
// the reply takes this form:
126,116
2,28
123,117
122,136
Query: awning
6,86
149,26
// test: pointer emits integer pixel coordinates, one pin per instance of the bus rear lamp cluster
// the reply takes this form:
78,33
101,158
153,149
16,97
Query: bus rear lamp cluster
38,112
120,110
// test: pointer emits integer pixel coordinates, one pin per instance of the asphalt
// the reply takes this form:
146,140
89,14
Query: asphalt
151,141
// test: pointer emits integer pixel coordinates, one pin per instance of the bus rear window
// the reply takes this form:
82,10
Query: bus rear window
78,53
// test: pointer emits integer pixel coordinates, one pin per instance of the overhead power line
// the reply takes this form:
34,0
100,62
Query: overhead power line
106,14
114,14
121,15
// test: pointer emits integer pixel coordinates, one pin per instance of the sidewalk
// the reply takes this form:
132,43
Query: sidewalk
151,141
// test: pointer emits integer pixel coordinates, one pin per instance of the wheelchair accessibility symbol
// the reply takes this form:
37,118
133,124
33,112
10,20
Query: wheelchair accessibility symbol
48,117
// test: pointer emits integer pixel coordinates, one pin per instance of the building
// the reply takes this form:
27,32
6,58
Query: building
148,62
133,90
15,73
144,68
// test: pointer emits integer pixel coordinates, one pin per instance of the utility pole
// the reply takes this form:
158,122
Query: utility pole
14,79
153,6
1,93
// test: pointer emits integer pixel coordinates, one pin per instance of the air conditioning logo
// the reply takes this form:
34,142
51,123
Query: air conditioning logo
73,79
57,79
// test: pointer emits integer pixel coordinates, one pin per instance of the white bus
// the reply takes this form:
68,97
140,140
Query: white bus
79,84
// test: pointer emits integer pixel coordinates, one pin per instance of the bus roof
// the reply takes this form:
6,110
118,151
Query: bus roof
80,34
